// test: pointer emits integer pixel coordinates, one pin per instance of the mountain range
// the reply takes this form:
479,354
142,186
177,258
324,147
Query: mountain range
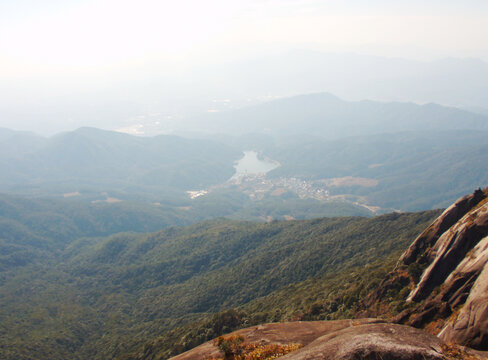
81,278
325,115
410,284
111,160
76,294
170,99
405,157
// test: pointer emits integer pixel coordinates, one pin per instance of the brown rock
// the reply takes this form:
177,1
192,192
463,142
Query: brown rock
458,268
470,327
452,291
300,332
450,250
372,341
447,219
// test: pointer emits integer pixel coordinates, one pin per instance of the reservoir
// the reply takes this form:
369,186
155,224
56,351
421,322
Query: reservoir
251,164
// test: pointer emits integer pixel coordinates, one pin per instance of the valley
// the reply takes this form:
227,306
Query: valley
451,316
63,296
131,295
243,180
124,247
416,166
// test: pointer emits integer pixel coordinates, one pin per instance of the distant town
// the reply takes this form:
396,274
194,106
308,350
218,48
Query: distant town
256,186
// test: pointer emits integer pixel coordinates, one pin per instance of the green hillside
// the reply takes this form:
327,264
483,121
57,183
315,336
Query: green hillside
105,160
52,224
413,170
107,297
323,114
404,170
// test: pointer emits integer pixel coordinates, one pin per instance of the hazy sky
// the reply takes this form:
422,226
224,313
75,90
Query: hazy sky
59,35
70,45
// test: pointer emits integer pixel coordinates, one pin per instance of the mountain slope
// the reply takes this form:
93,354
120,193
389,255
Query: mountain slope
35,229
412,170
325,115
14,143
107,160
131,288
440,280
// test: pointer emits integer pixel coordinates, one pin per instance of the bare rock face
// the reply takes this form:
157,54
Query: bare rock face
368,339
470,326
445,271
447,219
373,341
450,250
453,287
300,332
432,258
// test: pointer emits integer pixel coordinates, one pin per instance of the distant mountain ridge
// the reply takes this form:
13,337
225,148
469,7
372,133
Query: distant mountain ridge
326,115
413,170
108,159
409,171
451,81
460,82
416,157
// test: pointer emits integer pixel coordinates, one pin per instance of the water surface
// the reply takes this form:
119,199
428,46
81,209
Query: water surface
250,164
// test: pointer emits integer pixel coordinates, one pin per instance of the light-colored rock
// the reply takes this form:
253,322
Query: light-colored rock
337,340
470,327
450,250
299,332
458,272
448,218
372,341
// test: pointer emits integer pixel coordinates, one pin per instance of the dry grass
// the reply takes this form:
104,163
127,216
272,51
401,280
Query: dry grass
234,347
454,352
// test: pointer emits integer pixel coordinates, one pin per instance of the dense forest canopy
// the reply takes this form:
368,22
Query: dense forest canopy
61,296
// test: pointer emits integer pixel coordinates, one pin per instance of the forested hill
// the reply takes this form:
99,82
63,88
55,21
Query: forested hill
106,297
33,228
326,115
403,170
413,171
100,159
437,291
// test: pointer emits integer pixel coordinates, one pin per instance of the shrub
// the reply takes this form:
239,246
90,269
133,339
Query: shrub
234,347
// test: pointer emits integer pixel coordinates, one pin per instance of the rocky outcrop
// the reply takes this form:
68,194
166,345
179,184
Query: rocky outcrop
449,217
450,250
446,269
373,341
301,332
470,326
436,253
368,339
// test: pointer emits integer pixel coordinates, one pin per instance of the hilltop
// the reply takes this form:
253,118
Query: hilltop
326,115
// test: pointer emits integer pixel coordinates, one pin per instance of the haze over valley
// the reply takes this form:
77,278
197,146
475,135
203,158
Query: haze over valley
243,180
368,157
